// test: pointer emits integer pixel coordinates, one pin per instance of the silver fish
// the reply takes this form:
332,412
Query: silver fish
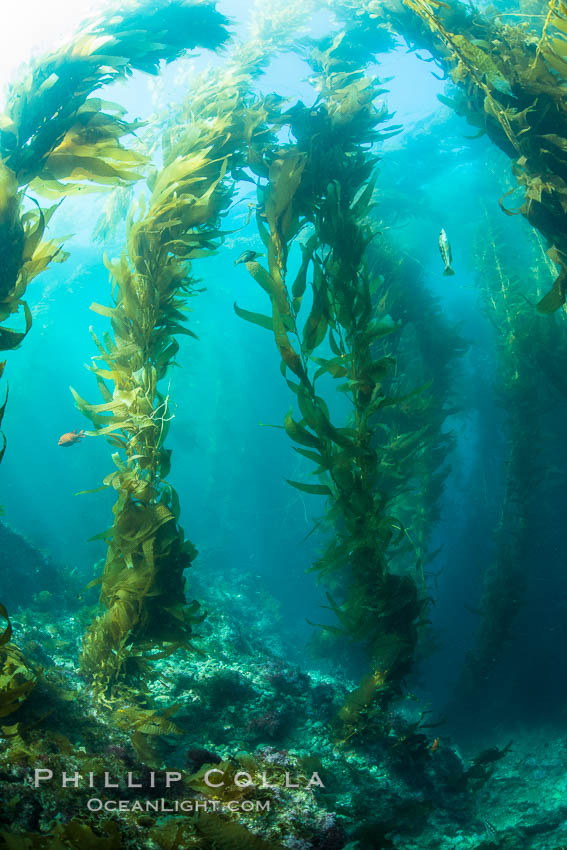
247,257
446,253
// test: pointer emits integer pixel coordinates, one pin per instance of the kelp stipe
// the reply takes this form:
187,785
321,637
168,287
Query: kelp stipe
323,184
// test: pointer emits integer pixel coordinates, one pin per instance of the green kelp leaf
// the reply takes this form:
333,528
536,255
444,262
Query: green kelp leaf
256,163
92,489
7,633
33,234
335,348
378,369
314,489
3,408
384,327
338,367
289,355
300,282
339,612
483,64
314,411
219,832
299,434
10,339
254,318
11,698
362,206
181,329
556,140
316,325
69,166
269,284
313,456
334,630
556,296
285,177
264,233
102,310
107,429
2,451
121,399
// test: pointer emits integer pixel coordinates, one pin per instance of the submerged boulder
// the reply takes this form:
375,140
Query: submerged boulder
24,570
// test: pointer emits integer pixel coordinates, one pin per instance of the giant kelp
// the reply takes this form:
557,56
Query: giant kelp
52,128
57,139
510,85
426,350
321,185
147,552
427,346
53,133
527,388
142,582
17,679
24,254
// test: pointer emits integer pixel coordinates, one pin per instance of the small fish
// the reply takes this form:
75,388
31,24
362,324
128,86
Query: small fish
490,828
435,745
70,438
247,257
446,253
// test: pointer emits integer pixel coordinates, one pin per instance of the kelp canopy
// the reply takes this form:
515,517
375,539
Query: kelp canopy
56,139
511,84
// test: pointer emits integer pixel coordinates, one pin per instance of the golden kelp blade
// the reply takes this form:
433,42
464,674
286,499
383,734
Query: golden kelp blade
46,104
11,230
17,680
60,140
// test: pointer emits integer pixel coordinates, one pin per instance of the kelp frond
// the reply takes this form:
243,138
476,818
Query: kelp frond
142,583
58,139
511,87
50,108
321,186
17,679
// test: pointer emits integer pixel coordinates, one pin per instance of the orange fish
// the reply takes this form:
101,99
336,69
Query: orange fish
435,745
70,438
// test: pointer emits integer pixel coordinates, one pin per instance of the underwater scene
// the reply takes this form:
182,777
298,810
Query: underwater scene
283,333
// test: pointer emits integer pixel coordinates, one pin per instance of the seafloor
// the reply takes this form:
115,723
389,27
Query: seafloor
241,704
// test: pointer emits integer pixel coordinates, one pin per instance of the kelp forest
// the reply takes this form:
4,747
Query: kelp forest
319,467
